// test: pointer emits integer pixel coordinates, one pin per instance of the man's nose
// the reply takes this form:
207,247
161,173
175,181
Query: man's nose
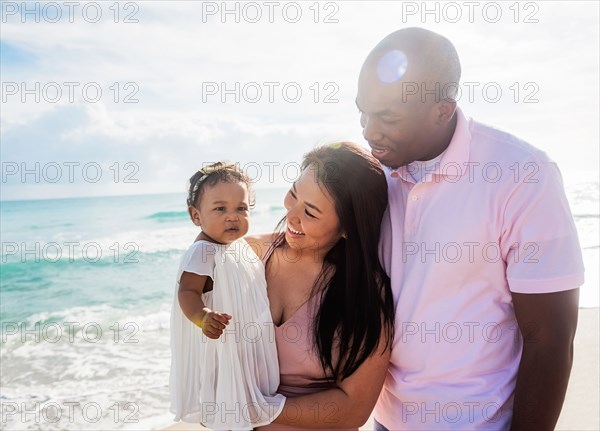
371,131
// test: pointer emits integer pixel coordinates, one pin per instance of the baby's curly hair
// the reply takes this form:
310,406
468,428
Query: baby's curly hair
213,174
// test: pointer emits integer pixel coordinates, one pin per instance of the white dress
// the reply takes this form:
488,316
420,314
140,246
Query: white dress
229,383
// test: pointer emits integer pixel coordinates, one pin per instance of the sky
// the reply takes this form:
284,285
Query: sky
121,98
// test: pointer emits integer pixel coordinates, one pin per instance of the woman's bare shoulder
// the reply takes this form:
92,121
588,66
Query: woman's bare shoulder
260,243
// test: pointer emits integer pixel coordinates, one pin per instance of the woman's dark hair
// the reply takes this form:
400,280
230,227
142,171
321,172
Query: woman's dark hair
356,303
213,174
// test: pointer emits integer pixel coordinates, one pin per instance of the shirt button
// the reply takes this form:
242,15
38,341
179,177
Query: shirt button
415,198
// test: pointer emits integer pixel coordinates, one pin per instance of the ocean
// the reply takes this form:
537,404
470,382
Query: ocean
86,291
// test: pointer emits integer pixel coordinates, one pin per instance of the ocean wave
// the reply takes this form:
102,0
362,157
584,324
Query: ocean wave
585,216
142,403
49,226
21,268
114,355
152,319
168,216
94,321
144,407
120,247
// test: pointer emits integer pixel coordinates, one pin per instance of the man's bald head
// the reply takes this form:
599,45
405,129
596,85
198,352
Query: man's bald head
418,56
407,96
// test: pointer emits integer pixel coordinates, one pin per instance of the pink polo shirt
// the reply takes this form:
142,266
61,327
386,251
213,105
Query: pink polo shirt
489,219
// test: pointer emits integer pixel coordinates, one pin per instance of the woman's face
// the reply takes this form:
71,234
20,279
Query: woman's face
312,222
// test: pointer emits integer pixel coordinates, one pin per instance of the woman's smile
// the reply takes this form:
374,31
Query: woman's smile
294,231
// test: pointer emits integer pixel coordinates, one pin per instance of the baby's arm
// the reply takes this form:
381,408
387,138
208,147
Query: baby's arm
190,291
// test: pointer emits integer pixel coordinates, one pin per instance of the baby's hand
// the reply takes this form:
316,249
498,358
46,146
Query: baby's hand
213,323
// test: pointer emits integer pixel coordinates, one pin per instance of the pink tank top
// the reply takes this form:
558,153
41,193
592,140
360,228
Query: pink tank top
299,366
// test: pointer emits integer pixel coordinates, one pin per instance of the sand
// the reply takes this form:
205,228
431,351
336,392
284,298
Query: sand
581,410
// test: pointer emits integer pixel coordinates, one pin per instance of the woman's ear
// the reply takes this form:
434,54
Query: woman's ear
195,216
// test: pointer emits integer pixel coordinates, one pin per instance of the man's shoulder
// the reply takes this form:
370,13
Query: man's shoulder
494,144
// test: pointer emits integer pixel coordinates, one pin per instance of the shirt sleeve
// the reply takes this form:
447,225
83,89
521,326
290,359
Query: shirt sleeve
200,259
539,241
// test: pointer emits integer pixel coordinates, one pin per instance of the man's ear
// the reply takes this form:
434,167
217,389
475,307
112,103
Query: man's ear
195,216
445,111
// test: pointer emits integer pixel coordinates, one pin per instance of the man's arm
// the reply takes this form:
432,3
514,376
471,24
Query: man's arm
547,322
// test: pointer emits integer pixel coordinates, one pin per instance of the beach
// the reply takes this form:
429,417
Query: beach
581,409
86,299
108,109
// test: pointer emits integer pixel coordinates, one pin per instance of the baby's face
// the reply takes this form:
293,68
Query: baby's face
223,211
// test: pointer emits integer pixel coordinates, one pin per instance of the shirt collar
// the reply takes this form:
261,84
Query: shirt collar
457,153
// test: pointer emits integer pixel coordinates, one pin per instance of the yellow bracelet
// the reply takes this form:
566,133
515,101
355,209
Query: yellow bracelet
198,323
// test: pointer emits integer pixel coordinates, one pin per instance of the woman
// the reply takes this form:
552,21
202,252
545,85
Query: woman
330,299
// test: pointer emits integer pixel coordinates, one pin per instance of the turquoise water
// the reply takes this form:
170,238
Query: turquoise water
86,291
117,251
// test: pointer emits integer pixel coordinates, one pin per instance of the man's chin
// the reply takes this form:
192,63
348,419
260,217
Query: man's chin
387,161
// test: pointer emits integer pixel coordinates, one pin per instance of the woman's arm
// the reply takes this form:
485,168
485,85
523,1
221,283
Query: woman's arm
189,294
349,405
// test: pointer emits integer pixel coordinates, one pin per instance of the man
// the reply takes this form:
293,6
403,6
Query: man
481,248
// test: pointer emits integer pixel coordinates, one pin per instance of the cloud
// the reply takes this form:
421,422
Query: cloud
202,89
159,150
